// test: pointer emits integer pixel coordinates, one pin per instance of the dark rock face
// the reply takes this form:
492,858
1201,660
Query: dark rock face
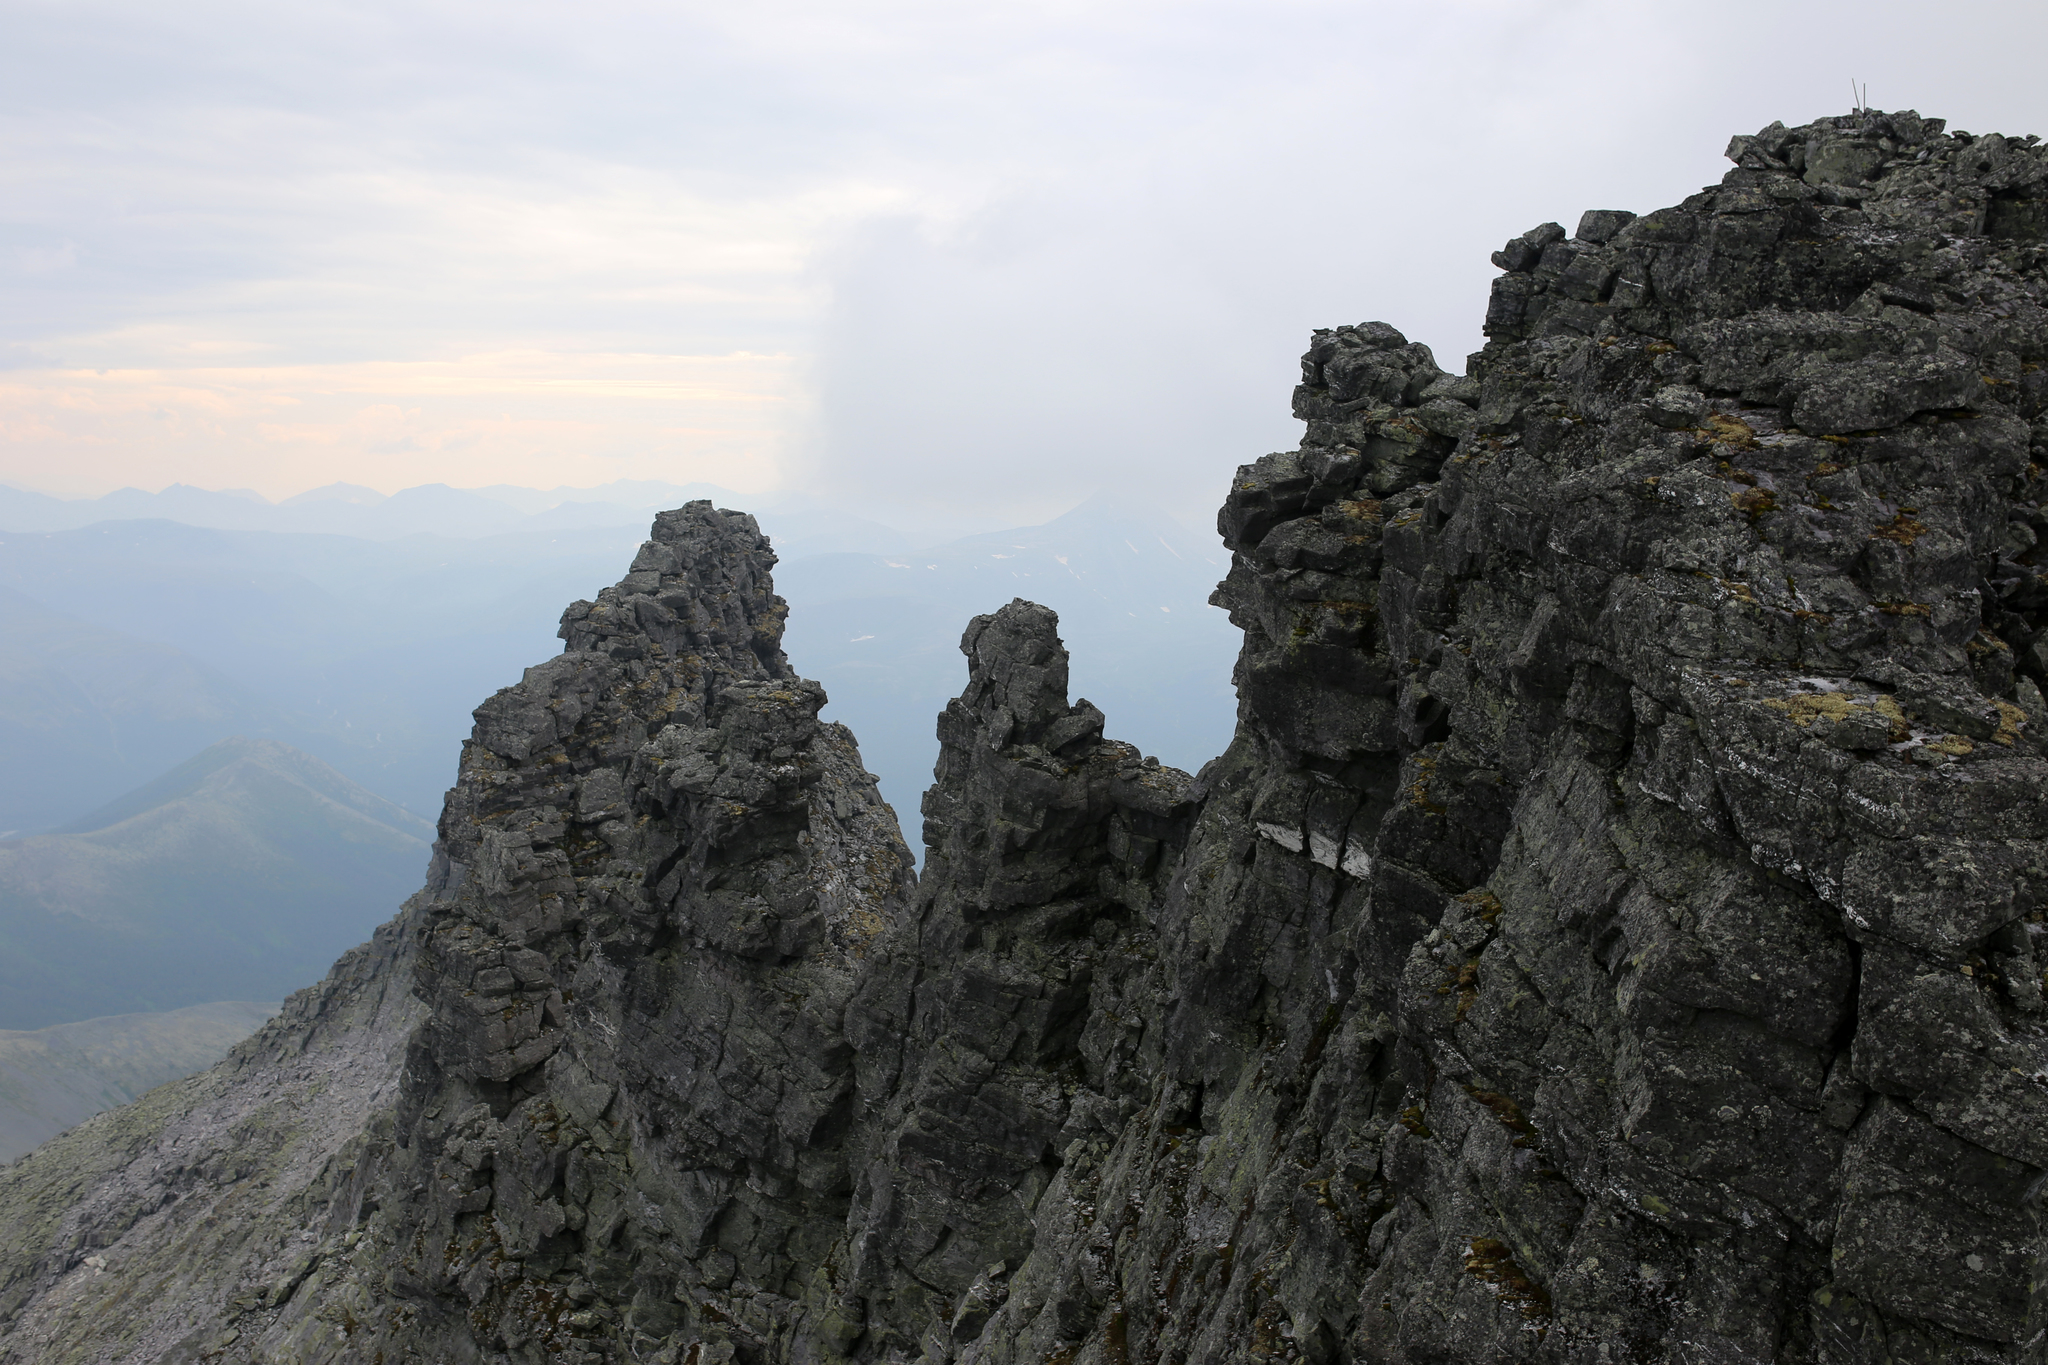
1610,936
1670,719
661,874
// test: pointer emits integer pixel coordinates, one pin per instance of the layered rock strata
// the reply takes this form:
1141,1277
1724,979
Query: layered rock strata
1611,935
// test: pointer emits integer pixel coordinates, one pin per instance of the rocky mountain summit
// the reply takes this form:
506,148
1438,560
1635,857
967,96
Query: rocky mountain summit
1609,937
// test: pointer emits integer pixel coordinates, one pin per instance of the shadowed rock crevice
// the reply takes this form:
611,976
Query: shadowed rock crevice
1611,935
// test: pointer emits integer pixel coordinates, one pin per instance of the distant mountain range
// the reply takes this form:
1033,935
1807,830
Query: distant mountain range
86,711
54,1078
806,525
368,653
240,874
882,632
138,627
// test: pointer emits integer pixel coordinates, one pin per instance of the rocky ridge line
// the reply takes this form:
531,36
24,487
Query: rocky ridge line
1611,935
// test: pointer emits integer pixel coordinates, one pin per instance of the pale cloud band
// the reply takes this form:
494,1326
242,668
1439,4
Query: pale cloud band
534,417
970,256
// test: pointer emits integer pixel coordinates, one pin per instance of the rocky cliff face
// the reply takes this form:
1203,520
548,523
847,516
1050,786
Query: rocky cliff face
1610,936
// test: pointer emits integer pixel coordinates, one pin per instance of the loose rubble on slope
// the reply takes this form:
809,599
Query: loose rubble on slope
1611,936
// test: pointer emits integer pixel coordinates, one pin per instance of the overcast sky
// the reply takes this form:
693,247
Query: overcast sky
986,258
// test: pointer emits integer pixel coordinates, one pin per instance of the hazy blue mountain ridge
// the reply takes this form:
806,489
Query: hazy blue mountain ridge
301,770
371,652
240,875
467,513
882,632
87,710
368,653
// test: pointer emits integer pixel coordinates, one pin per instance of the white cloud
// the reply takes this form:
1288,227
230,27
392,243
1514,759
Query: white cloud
533,417
1001,256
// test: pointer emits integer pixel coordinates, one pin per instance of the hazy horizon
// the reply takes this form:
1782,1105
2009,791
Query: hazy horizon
24,486
957,258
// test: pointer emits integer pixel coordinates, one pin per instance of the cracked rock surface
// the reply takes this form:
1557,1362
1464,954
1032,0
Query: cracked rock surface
1613,934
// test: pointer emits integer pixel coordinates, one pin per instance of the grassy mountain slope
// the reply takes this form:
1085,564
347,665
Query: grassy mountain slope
53,1078
239,875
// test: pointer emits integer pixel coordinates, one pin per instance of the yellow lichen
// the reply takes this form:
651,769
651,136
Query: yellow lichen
2010,719
1754,502
1833,707
1724,430
1417,792
1508,1113
1467,984
1807,708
